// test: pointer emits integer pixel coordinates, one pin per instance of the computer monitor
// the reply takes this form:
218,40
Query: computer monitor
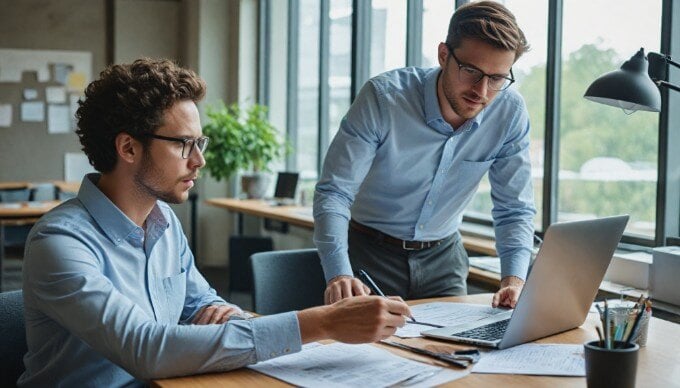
286,184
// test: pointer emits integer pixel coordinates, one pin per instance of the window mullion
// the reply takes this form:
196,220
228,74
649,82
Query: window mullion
552,114
324,92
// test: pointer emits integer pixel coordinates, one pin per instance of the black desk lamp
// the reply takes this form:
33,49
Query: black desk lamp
636,85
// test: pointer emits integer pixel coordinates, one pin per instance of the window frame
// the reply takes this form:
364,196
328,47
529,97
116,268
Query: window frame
668,183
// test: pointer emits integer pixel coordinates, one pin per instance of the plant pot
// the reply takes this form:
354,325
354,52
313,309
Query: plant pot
255,184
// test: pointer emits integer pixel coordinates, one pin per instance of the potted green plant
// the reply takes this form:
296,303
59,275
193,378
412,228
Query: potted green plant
242,139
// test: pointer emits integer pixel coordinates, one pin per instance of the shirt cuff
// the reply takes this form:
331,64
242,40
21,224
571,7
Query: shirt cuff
276,335
515,266
336,266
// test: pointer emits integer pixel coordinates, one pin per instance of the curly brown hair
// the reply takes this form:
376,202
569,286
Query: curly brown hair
490,22
131,98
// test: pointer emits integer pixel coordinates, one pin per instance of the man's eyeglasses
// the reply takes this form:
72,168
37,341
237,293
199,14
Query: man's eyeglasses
470,75
188,145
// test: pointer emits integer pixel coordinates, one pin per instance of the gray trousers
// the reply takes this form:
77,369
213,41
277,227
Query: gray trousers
427,273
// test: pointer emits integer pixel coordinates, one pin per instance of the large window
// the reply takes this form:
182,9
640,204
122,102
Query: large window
588,160
388,45
607,158
530,74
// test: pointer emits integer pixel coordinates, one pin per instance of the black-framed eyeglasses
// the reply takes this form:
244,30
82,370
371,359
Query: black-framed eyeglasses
188,144
471,75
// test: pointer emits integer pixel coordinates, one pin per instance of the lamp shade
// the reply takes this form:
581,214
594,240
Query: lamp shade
629,88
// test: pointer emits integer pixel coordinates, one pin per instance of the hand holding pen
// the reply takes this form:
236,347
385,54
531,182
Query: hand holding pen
366,278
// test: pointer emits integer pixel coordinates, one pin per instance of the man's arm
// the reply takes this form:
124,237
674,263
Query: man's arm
348,160
514,210
64,282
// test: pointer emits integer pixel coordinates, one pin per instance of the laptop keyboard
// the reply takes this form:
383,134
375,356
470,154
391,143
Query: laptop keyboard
491,332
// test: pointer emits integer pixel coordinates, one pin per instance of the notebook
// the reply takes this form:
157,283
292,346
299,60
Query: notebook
559,290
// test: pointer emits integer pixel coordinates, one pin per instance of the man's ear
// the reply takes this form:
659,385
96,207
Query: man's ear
128,148
442,54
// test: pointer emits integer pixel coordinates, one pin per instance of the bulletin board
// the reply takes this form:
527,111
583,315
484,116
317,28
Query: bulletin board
42,87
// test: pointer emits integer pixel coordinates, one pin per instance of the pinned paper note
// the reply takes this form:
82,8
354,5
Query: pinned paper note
55,94
33,111
58,120
76,82
30,94
5,115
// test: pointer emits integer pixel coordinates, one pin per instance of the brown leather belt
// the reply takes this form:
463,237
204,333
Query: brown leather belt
403,244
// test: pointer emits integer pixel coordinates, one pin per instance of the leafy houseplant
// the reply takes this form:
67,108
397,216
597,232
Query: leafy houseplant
242,139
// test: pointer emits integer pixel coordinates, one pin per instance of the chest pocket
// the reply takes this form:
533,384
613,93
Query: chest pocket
467,174
175,288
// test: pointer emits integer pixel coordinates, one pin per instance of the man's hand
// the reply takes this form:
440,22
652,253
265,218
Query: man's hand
215,313
341,287
355,320
507,296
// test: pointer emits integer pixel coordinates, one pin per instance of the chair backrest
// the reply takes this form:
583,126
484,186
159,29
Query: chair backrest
12,337
43,192
15,195
240,250
287,280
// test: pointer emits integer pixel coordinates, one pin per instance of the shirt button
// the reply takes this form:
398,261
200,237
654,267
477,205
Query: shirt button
421,226
429,202
287,350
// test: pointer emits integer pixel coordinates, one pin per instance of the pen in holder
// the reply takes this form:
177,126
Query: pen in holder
626,321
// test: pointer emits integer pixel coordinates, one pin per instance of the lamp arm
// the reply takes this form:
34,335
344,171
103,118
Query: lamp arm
672,62
668,85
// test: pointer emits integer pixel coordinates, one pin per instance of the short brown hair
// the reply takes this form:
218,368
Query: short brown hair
490,22
131,98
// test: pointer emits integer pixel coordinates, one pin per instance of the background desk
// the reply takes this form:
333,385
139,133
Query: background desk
658,364
20,213
302,217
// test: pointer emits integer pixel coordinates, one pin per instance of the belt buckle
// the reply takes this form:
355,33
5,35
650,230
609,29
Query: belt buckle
404,247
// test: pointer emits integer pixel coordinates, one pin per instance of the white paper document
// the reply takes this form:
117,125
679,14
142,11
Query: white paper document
33,111
343,365
58,120
5,115
445,314
534,359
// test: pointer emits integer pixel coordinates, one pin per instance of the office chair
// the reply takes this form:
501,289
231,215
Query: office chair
15,195
12,337
240,250
287,280
43,192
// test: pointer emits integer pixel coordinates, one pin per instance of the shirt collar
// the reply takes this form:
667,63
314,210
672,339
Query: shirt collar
434,114
111,220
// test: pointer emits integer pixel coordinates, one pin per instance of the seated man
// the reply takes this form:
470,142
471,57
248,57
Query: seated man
112,294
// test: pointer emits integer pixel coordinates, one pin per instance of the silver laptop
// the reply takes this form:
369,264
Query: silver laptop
557,295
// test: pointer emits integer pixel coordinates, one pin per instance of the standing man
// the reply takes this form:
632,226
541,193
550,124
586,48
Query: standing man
111,291
408,158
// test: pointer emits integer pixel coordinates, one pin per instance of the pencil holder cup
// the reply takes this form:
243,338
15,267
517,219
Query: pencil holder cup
614,367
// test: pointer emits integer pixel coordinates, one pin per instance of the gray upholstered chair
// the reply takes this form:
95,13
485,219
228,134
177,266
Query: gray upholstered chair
287,280
12,337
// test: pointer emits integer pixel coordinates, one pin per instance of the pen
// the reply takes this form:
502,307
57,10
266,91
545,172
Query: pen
376,290
460,361
636,325
607,329
370,283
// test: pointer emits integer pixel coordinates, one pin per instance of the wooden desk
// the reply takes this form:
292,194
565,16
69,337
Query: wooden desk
14,185
302,217
658,362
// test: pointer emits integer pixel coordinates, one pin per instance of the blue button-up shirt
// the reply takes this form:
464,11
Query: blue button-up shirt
395,165
108,304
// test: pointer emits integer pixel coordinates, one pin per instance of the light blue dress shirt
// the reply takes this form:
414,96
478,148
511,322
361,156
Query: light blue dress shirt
107,304
396,166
